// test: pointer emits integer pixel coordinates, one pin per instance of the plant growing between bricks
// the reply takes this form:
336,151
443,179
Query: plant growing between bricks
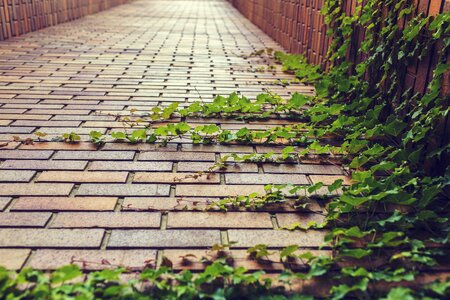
383,135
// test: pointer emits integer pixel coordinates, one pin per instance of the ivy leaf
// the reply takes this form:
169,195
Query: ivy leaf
356,253
399,293
395,127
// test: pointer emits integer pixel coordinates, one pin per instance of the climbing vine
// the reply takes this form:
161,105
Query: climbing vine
397,208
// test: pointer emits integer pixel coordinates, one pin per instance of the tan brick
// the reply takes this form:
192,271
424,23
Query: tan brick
8,219
217,148
189,259
94,177
329,179
43,165
91,260
163,238
265,179
130,166
177,156
291,219
205,166
13,259
59,146
218,190
39,189
219,220
24,154
276,238
302,169
139,147
4,201
67,124
94,155
87,189
164,203
107,220
16,176
5,122
58,238
178,178
64,204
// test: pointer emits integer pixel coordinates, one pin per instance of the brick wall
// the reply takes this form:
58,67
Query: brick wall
21,16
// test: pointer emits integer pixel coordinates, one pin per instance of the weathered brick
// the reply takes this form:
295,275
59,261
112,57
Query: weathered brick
217,148
39,189
13,259
25,154
94,155
177,156
59,146
178,178
66,124
58,238
4,201
64,204
302,169
43,165
74,176
130,166
9,219
123,190
219,220
276,238
165,203
204,166
218,190
107,220
91,260
302,218
139,147
328,179
163,238
16,176
265,179
189,259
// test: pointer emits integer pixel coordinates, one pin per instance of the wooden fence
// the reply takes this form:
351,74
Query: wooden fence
21,16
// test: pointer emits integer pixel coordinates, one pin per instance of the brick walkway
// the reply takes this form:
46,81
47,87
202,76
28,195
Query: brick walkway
122,204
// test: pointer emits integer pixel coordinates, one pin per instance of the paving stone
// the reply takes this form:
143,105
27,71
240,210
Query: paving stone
218,190
123,190
166,203
130,166
107,220
49,238
16,176
178,178
13,259
163,238
9,219
177,156
265,179
328,180
289,220
204,166
276,238
64,204
43,165
25,154
302,169
39,189
219,220
91,260
94,155
78,177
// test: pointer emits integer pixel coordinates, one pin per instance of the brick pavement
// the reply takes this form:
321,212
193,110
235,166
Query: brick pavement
122,203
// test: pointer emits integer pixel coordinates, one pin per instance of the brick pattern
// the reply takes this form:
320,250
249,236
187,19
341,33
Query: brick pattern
120,203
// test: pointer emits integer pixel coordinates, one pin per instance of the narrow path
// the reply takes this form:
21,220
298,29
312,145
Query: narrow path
123,204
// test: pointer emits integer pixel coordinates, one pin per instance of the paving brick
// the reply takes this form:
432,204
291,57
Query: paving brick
204,166
219,220
217,148
292,219
4,201
217,190
328,180
43,165
9,219
94,155
59,146
25,154
123,190
265,179
178,178
66,124
130,166
163,238
91,260
139,147
65,204
302,169
39,189
13,259
78,177
177,156
107,220
16,176
276,238
51,238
